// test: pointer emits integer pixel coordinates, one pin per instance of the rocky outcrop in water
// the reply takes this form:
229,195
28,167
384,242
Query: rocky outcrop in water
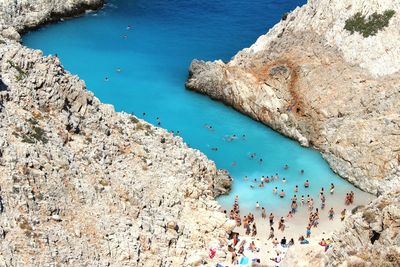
83,185
314,81
21,15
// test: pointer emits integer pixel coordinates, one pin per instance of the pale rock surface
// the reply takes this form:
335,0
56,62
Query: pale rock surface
313,81
342,90
83,185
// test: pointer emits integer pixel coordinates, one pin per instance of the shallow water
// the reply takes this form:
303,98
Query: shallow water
153,58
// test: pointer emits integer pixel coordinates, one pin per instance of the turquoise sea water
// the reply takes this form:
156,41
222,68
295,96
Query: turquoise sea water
153,57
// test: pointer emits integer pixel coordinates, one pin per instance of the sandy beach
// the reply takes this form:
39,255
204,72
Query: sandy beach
295,227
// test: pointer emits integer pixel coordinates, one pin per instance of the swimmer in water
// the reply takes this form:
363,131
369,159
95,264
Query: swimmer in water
282,194
301,171
118,70
275,190
307,184
209,127
284,180
261,161
106,79
245,178
296,189
214,148
243,137
144,114
286,167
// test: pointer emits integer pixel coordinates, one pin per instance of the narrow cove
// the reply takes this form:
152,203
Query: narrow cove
135,54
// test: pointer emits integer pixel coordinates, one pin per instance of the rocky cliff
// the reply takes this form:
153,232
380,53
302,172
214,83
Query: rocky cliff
370,237
326,86
328,75
83,185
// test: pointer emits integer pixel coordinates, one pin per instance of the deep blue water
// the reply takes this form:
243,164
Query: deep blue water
153,57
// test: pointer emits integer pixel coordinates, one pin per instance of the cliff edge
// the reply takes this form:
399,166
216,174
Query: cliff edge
328,76
83,185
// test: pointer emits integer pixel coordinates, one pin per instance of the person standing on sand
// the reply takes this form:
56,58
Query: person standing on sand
271,233
347,199
294,206
311,204
254,232
323,202
245,222
263,213
331,213
343,215
281,225
248,230
275,242
290,215
271,219
351,197
308,231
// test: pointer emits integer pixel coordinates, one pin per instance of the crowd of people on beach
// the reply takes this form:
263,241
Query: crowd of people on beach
238,247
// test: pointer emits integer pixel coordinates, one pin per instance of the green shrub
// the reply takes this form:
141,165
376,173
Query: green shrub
368,26
37,134
21,72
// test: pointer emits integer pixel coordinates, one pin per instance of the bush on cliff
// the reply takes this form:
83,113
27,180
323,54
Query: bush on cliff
368,26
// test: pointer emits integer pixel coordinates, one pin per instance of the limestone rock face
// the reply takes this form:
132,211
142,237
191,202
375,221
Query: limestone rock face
28,14
314,81
83,185
371,236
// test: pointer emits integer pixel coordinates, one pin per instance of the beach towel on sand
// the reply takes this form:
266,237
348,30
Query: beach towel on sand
244,261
